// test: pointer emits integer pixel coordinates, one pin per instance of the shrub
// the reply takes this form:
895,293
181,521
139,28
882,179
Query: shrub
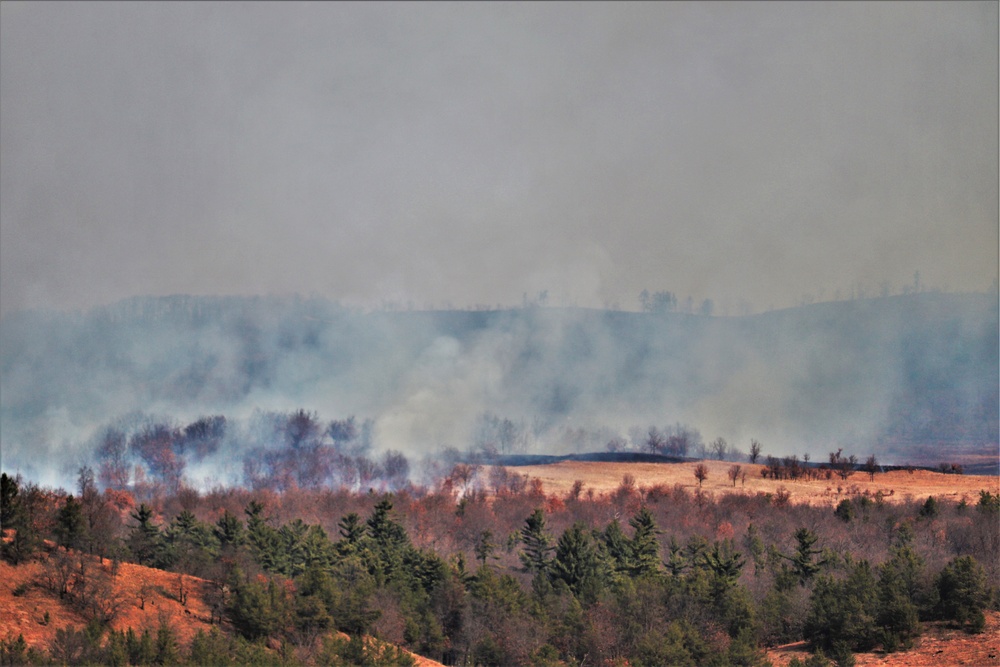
929,509
843,614
963,593
845,510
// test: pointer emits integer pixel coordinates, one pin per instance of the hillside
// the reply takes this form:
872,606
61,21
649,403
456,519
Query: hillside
24,605
144,599
517,565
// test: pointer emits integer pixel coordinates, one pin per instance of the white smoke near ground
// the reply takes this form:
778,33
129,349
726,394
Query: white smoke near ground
879,375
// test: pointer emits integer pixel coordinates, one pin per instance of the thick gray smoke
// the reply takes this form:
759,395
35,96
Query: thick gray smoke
472,152
887,375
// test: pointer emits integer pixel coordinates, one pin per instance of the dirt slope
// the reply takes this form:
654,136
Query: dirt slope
24,613
148,597
939,646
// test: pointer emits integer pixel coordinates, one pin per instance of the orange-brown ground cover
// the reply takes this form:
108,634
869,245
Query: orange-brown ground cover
897,485
24,614
939,646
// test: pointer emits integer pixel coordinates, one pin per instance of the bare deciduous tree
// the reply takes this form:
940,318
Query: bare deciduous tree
720,448
871,467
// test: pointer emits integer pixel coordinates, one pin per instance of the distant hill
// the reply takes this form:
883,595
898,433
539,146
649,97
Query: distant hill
898,375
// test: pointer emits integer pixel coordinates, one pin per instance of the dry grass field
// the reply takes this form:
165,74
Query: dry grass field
896,485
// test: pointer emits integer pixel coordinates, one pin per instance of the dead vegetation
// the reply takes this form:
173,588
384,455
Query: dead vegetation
892,486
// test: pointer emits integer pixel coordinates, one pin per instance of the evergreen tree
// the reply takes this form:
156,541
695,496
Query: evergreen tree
645,547
843,614
144,541
484,547
804,561
383,529
897,617
389,541
677,561
537,544
69,528
725,563
8,500
265,547
576,561
929,509
24,508
618,549
189,544
963,592
229,532
256,609
351,530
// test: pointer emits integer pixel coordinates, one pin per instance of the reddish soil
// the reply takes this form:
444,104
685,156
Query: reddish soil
895,486
24,614
940,646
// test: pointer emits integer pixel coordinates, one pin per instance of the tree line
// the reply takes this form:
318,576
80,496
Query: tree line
644,575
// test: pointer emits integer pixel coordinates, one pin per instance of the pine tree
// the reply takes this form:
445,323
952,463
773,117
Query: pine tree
725,563
145,540
618,549
484,547
389,542
351,532
24,509
69,528
229,531
842,614
677,561
803,561
964,593
8,500
897,617
576,560
263,539
645,546
537,544
189,543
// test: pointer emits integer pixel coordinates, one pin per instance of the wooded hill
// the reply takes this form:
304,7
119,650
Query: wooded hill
642,575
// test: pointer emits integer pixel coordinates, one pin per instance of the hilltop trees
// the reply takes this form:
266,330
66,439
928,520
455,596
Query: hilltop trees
843,465
871,467
677,440
658,302
720,448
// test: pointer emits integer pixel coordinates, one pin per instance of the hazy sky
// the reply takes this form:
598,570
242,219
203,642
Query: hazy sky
473,152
